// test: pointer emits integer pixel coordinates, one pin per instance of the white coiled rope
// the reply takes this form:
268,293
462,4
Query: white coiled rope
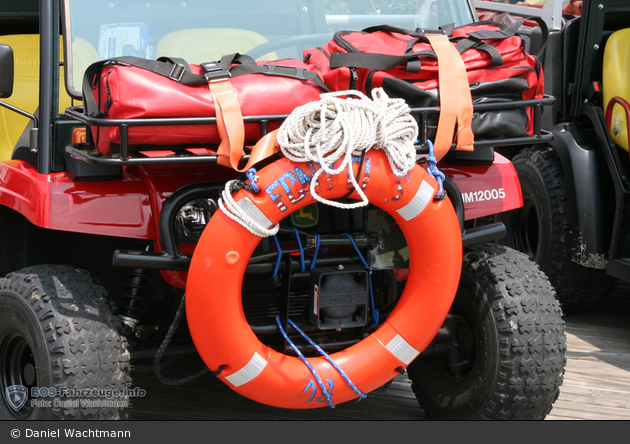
335,128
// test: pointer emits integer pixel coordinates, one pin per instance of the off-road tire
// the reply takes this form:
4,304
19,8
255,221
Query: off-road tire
57,330
540,229
511,337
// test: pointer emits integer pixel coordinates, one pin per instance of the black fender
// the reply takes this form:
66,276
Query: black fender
588,190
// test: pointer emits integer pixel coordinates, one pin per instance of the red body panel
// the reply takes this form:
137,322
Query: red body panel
111,208
128,207
486,190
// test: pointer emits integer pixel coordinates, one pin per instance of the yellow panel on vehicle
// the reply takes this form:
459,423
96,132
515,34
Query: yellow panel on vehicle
616,82
25,92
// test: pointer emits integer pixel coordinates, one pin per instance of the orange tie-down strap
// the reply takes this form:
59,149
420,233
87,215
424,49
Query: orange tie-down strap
455,98
232,130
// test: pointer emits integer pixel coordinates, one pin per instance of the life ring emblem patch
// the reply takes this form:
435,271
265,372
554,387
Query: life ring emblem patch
214,308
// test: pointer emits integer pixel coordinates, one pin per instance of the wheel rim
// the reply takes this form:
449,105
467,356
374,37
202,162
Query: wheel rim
458,360
460,365
17,367
462,360
527,232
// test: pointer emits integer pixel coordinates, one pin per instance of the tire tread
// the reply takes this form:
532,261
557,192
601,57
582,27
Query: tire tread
82,335
531,341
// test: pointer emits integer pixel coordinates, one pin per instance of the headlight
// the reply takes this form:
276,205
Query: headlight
192,218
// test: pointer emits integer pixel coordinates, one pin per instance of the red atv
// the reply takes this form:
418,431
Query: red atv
297,292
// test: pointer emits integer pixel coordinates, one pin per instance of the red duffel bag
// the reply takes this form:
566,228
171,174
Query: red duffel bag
131,87
484,62
361,59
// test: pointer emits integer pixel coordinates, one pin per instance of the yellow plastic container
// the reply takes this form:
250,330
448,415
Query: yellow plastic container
616,83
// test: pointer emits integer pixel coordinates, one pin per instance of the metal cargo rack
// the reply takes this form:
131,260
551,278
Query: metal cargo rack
126,156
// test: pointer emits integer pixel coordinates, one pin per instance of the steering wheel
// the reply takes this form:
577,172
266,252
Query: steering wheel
303,40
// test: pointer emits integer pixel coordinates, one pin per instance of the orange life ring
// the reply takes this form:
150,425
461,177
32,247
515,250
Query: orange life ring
215,313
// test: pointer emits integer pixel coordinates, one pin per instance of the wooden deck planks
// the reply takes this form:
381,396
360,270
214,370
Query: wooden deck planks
597,380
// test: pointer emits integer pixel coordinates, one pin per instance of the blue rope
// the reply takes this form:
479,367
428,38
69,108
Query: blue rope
375,314
329,359
435,172
275,271
317,243
322,387
297,234
251,175
343,374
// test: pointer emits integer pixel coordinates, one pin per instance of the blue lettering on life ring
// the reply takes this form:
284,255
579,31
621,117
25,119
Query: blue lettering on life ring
311,390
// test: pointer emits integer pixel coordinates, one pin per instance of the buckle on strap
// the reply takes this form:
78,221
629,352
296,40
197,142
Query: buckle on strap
214,72
430,31
177,73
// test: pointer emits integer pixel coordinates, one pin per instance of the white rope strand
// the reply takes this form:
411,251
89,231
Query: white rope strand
335,128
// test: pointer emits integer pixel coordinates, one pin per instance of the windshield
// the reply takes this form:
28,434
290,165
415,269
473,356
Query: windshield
203,30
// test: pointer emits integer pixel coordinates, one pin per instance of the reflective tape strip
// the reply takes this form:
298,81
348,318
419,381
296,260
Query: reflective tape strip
249,372
254,212
402,350
416,205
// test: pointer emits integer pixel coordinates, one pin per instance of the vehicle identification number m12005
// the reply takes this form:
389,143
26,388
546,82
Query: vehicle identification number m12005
483,195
